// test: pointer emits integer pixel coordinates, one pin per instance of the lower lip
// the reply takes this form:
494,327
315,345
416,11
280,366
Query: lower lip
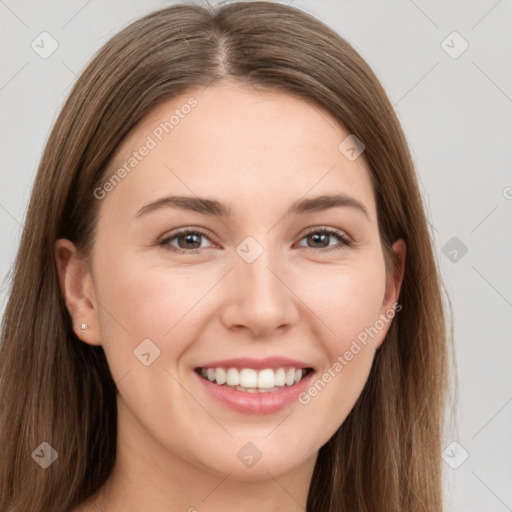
255,403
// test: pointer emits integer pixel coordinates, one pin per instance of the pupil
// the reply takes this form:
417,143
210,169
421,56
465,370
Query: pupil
317,236
189,241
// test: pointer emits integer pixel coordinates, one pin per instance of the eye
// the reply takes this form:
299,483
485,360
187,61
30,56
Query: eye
319,237
188,240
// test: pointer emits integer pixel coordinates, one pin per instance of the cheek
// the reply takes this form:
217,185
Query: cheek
155,302
348,303
347,299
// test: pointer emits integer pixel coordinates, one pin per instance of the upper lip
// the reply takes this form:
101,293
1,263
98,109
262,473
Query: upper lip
257,364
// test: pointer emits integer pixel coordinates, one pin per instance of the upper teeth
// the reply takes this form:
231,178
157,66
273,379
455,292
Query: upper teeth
250,378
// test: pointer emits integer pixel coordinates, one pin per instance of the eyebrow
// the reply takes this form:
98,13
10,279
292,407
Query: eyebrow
213,207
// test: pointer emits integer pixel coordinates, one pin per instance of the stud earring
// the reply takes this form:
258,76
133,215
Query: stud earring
83,327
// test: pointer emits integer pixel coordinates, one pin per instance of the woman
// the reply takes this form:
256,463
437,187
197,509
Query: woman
225,294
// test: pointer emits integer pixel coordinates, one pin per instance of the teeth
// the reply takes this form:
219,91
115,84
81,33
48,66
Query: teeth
220,376
280,377
253,381
266,379
248,378
290,377
233,377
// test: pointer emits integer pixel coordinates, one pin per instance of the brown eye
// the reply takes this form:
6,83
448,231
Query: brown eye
187,241
319,238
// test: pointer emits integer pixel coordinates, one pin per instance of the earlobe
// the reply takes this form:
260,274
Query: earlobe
77,289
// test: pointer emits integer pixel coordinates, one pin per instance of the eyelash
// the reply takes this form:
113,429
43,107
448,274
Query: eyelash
345,241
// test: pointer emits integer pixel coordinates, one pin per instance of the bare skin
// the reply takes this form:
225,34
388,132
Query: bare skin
305,296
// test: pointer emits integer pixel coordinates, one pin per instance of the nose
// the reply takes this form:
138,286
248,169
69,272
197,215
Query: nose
259,298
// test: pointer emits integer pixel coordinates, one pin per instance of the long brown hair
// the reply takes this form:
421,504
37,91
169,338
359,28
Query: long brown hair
56,389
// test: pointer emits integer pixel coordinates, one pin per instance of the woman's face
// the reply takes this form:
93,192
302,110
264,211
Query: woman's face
257,295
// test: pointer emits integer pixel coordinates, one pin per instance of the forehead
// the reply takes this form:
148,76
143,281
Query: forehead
234,142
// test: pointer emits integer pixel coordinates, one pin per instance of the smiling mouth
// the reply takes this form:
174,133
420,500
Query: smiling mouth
255,381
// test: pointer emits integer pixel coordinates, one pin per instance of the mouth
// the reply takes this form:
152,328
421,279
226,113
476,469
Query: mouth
250,385
251,380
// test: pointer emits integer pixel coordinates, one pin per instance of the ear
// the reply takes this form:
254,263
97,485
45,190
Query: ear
393,285
77,288
394,280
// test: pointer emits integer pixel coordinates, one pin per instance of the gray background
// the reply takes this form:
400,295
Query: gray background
456,113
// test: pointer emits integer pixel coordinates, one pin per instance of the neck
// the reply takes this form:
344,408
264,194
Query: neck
146,476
